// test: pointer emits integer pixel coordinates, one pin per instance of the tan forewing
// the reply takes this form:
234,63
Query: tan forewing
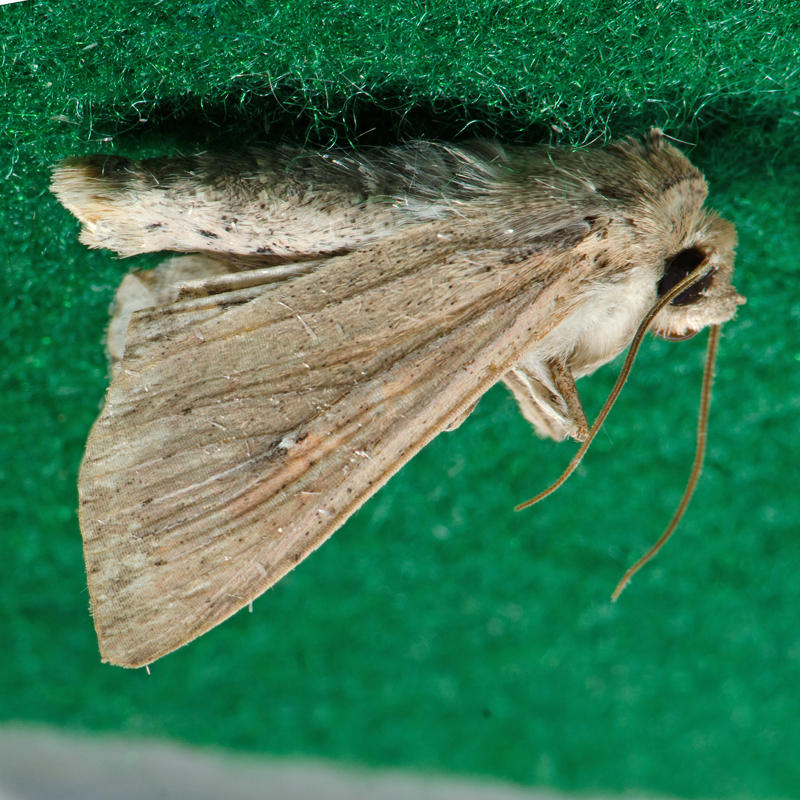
237,437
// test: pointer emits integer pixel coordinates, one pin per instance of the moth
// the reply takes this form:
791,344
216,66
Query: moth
335,312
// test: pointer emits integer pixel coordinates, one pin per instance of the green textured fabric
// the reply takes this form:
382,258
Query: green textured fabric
438,629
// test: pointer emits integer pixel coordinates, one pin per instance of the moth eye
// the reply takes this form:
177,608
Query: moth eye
677,268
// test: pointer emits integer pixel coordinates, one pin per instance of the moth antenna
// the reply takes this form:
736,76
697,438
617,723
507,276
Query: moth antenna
698,273
697,466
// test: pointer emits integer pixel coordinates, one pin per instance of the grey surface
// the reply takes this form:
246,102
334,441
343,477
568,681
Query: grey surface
42,764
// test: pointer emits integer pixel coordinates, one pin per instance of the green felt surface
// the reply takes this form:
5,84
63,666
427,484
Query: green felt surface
438,629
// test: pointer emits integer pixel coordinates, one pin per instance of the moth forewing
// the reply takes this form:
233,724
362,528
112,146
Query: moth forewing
235,439
251,414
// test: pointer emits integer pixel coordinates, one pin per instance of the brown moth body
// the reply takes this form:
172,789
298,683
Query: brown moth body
340,310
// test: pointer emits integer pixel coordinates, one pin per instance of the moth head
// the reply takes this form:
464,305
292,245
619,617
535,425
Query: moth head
712,299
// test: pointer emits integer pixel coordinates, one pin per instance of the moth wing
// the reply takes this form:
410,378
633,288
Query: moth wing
185,277
240,430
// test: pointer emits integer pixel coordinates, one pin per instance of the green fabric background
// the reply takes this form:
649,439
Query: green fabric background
438,629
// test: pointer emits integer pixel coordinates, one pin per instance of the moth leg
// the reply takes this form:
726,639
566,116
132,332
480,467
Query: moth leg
565,383
528,394
458,421
548,399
